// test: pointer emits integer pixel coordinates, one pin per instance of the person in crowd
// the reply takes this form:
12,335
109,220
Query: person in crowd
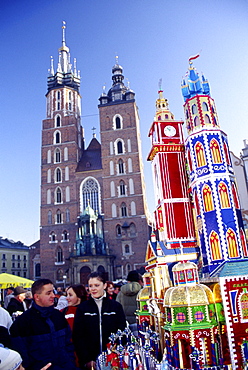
110,290
127,297
41,334
75,294
11,360
94,322
5,324
117,288
28,299
16,303
9,295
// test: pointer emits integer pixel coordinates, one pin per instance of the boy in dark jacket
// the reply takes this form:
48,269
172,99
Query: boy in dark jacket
41,334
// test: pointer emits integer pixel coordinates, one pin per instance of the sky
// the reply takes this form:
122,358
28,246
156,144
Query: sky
153,40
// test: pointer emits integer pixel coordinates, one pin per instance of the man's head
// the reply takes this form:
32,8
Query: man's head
42,291
10,290
20,293
134,276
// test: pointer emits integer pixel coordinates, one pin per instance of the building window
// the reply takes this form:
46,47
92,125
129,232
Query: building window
194,109
58,177
67,215
65,236
131,186
3,256
91,194
66,154
111,168
122,188
24,274
58,217
13,265
49,156
117,122
3,264
49,176
232,244
224,197
200,154
52,237
59,255
132,230
66,173
58,195
133,208
127,249
207,198
48,196
123,210
120,166
114,210
57,157
204,107
130,165
112,189
118,230
49,217
67,194
215,151
119,147
57,137
58,121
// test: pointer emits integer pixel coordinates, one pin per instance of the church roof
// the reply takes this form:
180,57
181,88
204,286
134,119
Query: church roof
233,268
91,157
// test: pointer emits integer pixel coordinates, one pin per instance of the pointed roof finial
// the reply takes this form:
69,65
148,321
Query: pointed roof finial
63,32
116,60
160,84
52,67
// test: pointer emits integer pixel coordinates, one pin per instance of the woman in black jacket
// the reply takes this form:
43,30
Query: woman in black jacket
95,320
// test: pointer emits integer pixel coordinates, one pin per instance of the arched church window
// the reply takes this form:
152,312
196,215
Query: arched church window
91,194
122,188
207,119
130,165
194,109
232,245
57,157
112,189
131,186
215,248
52,237
200,154
49,175
49,156
67,215
207,198
119,147
58,121
196,121
65,236
117,122
243,242
58,195
204,107
224,197
48,196
65,154
49,217
120,166
123,210
118,230
133,208
58,177
127,249
57,137
114,210
58,217
67,194
215,151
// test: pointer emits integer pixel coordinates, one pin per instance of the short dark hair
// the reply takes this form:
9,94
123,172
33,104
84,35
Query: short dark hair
134,276
100,276
38,285
79,290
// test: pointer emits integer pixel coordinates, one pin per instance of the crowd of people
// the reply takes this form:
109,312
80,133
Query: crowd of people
47,328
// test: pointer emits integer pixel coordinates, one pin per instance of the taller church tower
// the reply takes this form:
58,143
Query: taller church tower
60,153
123,197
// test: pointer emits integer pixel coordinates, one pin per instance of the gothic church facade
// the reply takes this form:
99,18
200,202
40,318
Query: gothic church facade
93,207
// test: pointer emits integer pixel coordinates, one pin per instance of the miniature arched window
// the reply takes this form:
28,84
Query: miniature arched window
215,151
132,229
120,166
224,197
53,237
119,147
114,211
207,198
244,305
49,217
65,235
215,248
67,194
130,165
200,154
58,217
194,109
57,156
197,121
204,106
49,156
131,186
235,196
118,230
243,242
48,196
187,114
227,155
122,188
133,208
117,122
67,215
111,168
60,275
59,255
65,154
49,176
91,193
57,137
58,176
123,210
58,195
207,120
58,121
232,245
66,173
196,203
112,189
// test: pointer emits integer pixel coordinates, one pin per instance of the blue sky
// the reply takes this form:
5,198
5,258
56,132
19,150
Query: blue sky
153,39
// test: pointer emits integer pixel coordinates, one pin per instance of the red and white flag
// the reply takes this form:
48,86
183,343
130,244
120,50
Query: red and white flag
194,57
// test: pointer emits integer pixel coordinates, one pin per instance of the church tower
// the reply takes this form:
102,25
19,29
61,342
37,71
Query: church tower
124,204
60,153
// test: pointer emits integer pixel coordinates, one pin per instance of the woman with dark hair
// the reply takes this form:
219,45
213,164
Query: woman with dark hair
75,294
96,319
110,290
